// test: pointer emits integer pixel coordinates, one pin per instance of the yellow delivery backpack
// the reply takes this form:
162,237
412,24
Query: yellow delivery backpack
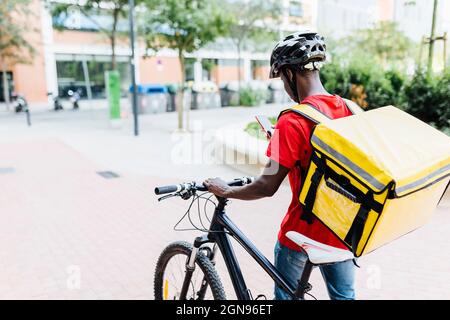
373,176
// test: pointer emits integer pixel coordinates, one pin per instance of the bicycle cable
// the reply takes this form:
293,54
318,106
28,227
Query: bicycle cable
188,213
309,294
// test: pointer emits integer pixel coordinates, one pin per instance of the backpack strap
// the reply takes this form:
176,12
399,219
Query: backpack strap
309,112
353,107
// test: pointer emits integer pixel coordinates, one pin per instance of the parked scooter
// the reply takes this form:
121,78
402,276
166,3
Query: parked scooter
56,101
74,98
20,104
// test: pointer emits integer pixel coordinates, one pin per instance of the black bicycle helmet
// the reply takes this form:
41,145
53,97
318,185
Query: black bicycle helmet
304,50
301,50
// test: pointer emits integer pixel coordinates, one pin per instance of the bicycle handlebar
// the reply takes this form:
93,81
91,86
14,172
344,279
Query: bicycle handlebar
193,186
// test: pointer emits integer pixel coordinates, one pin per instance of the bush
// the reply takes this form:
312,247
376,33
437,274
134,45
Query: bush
380,93
252,97
427,99
364,83
336,79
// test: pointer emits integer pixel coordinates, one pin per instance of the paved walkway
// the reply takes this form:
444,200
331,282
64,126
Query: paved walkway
68,233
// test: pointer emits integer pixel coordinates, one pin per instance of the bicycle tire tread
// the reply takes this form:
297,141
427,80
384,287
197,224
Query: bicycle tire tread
183,247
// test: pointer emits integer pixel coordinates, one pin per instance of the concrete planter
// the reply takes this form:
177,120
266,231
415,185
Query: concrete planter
236,148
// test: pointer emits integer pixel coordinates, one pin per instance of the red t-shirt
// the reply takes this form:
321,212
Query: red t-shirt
289,146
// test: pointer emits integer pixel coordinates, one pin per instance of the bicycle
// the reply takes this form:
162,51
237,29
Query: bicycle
199,255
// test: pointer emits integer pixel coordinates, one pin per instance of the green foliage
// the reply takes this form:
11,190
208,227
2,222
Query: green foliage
251,20
254,129
90,9
384,42
252,97
14,48
369,66
183,25
209,64
380,93
378,87
427,99
261,40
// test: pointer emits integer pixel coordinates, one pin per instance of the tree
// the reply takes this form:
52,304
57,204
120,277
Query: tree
91,9
14,48
185,26
252,19
384,42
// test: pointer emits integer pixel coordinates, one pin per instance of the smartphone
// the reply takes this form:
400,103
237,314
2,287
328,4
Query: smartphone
266,125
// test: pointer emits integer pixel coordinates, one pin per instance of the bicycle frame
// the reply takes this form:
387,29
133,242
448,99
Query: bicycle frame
221,227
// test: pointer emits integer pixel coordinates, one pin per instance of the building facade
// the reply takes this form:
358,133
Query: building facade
77,55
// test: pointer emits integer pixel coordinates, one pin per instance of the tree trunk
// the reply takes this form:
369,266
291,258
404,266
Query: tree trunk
5,86
432,40
181,91
239,70
113,39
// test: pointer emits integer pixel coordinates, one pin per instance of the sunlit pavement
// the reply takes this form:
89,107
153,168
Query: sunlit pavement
69,233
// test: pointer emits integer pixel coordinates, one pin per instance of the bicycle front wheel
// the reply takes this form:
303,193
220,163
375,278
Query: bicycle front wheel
171,269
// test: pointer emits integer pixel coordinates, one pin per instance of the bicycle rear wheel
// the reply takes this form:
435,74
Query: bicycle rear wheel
171,269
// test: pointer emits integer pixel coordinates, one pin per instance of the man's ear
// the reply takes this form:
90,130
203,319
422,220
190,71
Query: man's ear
289,74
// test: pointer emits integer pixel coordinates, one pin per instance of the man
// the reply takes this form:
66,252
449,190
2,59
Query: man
297,60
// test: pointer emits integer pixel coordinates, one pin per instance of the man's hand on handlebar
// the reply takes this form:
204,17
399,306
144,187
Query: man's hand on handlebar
264,186
217,186
188,189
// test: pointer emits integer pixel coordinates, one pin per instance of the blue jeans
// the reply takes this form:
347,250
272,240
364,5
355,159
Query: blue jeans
339,277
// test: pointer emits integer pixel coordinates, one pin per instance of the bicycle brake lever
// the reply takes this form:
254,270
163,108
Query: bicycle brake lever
168,196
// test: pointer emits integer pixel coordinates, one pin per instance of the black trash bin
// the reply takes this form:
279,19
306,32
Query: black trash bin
172,93
229,94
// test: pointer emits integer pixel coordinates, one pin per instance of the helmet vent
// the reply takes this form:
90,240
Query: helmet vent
297,49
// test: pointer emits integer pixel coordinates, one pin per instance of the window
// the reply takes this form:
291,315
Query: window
230,62
260,69
74,19
9,78
296,9
189,66
70,74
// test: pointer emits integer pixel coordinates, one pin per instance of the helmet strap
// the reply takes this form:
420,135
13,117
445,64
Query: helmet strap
292,83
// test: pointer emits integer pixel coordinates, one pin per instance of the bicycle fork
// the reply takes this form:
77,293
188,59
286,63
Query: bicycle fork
190,268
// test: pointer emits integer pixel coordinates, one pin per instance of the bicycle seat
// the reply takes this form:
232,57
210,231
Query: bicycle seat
319,253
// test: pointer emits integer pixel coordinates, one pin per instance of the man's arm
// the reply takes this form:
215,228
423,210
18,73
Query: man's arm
265,185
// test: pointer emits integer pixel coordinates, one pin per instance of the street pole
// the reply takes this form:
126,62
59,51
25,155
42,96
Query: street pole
432,40
133,68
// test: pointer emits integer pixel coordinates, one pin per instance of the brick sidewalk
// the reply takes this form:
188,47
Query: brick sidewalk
61,222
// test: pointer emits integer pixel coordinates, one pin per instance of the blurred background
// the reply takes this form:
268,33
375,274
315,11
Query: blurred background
80,157
377,48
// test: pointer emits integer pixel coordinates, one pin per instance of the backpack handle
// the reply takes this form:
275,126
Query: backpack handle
315,115
309,112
